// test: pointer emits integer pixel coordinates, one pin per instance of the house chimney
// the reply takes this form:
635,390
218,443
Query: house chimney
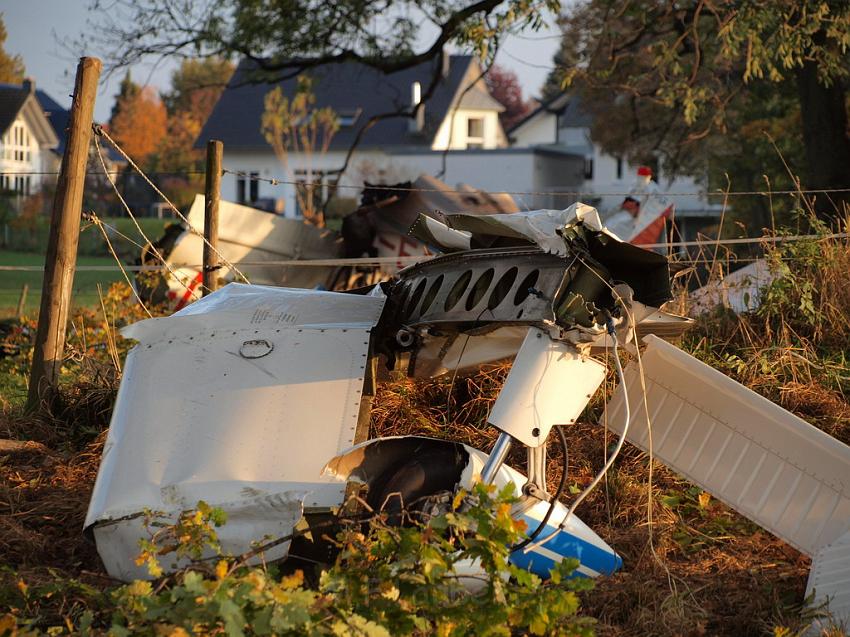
29,85
417,123
447,60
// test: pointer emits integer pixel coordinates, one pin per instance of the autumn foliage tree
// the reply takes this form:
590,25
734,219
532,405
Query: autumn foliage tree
293,125
139,123
504,86
195,88
11,66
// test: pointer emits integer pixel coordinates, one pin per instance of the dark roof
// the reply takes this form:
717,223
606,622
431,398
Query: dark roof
56,115
345,87
567,106
12,98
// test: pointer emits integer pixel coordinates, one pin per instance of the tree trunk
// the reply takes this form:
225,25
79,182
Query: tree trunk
824,115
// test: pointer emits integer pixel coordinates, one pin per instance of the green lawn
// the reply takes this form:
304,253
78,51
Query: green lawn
92,251
85,283
91,239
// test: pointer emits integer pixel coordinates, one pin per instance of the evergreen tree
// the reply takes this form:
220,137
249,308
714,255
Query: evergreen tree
128,91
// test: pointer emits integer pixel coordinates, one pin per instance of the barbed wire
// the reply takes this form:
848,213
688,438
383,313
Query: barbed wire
407,260
99,131
96,221
274,181
100,222
56,172
135,222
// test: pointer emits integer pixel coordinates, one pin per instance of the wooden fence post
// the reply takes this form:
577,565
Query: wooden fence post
212,196
60,262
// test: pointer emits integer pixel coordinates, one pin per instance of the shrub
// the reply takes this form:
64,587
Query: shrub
386,580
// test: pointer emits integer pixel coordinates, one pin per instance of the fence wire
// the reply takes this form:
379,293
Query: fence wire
692,253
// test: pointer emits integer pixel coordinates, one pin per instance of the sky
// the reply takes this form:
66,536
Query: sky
37,28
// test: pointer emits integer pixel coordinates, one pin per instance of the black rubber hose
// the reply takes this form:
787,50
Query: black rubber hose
561,484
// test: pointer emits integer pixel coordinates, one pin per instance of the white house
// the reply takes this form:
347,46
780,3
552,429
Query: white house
562,122
27,140
457,136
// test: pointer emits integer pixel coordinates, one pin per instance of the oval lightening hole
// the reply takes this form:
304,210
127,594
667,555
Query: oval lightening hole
528,282
503,286
402,297
414,298
479,289
456,293
431,295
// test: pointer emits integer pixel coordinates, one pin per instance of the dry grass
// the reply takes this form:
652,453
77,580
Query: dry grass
707,571
711,572
43,502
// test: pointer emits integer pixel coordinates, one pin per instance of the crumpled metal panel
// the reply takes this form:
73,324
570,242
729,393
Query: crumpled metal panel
248,235
539,227
778,470
740,290
214,400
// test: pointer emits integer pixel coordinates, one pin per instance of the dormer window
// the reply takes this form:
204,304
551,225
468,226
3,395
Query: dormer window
475,132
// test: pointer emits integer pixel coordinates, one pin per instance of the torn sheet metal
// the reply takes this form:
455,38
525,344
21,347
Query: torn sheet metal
574,234
380,226
373,458
542,228
740,291
654,210
213,401
439,355
781,472
247,235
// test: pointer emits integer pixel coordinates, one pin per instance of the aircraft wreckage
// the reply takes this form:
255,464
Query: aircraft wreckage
256,399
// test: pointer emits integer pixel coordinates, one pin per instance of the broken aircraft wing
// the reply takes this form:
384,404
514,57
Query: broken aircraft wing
250,236
778,470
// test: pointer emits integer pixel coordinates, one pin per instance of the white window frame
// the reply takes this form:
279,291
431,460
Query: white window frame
475,141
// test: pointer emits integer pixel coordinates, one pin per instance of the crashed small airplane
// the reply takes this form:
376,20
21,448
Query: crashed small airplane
256,399
254,240
258,243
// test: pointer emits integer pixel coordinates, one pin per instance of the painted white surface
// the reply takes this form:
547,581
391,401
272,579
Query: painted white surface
537,130
781,472
249,238
829,582
739,291
549,384
453,131
238,400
